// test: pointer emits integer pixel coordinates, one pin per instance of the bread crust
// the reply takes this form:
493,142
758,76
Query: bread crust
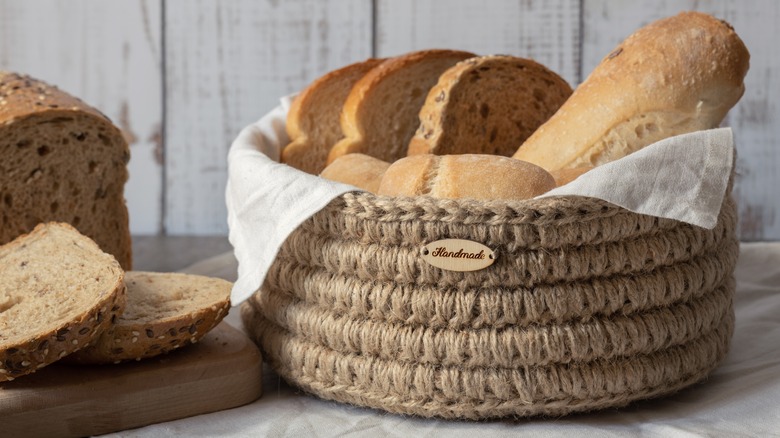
25,101
360,170
474,176
367,98
567,175
676,75
128,340
466,113
313,121
41,349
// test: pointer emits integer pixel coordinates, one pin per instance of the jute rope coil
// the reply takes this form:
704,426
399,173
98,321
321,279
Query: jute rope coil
587,306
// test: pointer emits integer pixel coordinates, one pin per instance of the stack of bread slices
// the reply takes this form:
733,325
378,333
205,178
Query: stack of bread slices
67,289
453,124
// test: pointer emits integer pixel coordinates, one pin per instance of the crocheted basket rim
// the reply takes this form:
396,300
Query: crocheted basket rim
588,306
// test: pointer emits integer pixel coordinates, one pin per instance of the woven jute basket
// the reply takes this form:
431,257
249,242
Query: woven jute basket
587,306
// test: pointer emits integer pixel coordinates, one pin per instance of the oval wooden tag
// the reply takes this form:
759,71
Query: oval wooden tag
458,255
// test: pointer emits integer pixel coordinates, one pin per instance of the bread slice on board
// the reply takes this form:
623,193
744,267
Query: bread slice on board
63,161
165,311
313,121
381,112
58,292
487,105
676,75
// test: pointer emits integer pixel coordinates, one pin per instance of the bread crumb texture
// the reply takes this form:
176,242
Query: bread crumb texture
59,292
62,161
165,311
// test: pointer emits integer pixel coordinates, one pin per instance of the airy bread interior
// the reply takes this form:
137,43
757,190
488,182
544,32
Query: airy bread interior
58,293
487,105
313,122
380,115
165,311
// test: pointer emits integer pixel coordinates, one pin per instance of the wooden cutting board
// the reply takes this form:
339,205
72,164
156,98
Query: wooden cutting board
221,371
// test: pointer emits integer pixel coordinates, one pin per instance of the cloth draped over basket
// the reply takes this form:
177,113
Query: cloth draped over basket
590,304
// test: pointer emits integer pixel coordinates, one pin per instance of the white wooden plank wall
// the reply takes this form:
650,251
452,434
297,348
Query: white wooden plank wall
547,31
200,70
756,117
227,63
108,54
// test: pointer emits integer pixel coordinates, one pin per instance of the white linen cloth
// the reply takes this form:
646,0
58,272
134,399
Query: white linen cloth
681,178
740,399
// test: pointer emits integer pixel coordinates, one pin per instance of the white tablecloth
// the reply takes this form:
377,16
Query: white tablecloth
740,399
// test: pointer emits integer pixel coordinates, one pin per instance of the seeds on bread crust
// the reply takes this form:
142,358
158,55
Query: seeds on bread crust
55,299
62,161
164,312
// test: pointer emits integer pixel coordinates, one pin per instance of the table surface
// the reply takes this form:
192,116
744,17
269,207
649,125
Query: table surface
739,399
174,253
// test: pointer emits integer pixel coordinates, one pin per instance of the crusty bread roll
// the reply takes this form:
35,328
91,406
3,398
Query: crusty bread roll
164,311
673,76
487,105
381,112
475,176
359,170
313,121
61,161
567,175
58,293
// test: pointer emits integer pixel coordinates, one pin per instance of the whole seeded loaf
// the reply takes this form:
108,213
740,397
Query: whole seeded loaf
676,75
165,311
63,161
381,112
58,293
474,176
313,121
487,105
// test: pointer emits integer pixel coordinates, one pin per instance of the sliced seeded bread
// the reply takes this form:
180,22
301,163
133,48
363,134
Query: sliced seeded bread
487,105
381,112
313,121
58,292
62,161
164,311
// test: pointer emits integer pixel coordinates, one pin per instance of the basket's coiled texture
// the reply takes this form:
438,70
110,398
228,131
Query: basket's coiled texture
587,306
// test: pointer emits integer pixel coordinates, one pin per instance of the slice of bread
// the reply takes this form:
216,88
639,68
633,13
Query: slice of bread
381,112
487,105
62,161
313,121
164,311
58,292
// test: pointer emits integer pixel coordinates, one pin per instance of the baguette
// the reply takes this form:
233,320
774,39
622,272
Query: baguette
165,311
673,76
62,161
313,121
487,105
359,170
483,177
58,293
381,112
